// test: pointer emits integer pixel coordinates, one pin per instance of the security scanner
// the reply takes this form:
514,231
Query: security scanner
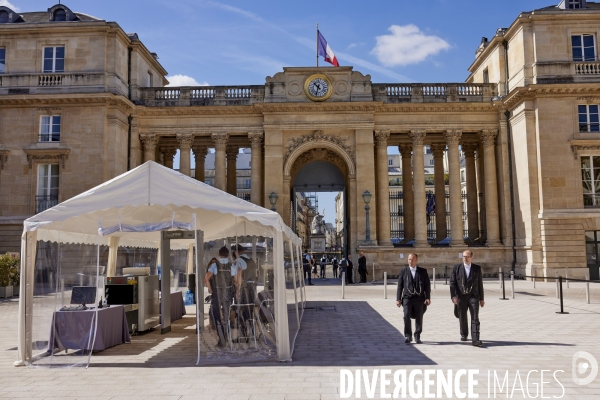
139,296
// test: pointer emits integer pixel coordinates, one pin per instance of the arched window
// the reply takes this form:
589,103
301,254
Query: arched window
3,17
60,15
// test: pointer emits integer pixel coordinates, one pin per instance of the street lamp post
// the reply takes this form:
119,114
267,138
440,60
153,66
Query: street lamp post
367,199
273,199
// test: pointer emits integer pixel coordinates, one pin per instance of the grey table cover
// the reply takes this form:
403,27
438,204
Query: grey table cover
177,306
75,329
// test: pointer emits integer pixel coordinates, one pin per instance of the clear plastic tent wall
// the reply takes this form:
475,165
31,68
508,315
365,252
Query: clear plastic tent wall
81,242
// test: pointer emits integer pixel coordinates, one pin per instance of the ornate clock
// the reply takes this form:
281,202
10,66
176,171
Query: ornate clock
318,87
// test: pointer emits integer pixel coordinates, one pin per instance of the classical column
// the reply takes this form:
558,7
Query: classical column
383,189
441,230
408,210
185,141
420,200
472,208
256,139
149,141
232,153
200,158
220,140
491,189
168,155
456,223
481,190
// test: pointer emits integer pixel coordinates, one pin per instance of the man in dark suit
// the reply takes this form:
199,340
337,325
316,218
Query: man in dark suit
466,290
413,294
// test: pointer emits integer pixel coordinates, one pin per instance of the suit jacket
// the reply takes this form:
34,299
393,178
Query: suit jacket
406,284
460,285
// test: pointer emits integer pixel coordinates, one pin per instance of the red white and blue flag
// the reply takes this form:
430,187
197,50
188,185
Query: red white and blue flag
325,51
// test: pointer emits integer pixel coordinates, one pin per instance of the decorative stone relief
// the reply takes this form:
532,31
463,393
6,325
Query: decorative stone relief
488,137
185,140
417,137
452,137
314,137
469,149
405,150
47,155
149,140
381,137
438,149
256,139
220,140
319,155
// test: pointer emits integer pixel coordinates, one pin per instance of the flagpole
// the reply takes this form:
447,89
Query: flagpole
317,44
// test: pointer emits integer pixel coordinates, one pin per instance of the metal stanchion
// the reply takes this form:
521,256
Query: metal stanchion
533,278
503,286
562,311
373,273
446,274
556,279
567,276
587,287
434,278
501,277
343,283
512,283
385,285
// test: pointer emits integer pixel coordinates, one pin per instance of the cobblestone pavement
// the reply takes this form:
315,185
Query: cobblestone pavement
362,331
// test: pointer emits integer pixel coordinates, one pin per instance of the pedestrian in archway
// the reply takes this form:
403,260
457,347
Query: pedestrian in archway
362,267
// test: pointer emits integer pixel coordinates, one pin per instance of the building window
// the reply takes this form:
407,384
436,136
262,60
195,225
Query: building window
247,183
590,175
390,162
574,4
54,59
60,15
47,188
3,17
431,161
486,76
588,118
584,47
462,176
150,79
50,128
2,59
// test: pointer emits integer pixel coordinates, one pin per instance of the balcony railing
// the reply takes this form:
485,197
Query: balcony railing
433,92
203,96
43,203
63,82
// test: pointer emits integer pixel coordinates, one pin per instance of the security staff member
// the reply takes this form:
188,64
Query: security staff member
413,294
466,290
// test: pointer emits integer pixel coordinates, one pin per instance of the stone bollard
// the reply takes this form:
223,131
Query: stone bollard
434,278
587,287
512,283
385,285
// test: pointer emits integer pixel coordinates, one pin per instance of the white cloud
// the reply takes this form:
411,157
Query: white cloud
406,45
8,4
183,80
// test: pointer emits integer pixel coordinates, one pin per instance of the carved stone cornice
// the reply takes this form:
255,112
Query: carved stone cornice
220,140
3,157
36,100
579,145
488,137
318,108
452,137
314,137
185,140
46,155
405,150
256,139
417,137
381,138
469,149
149,140
180,111
411,108
438,149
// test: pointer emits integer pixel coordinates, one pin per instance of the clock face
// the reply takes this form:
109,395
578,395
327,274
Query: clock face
318,87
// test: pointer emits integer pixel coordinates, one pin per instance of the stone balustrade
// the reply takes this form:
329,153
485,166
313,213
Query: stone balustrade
203,95
566,71
85,82
433,92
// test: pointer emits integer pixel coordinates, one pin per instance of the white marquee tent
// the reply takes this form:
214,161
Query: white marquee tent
132,210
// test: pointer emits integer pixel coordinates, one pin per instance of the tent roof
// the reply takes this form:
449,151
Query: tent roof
151,198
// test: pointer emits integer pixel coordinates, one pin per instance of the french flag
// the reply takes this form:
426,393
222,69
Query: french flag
325,51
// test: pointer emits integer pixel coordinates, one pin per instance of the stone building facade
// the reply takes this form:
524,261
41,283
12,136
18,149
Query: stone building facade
81,102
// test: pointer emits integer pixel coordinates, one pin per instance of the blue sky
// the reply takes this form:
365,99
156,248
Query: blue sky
240,42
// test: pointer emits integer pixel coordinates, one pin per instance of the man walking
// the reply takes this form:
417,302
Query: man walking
466,290
323,264
334,266
306,265
413,294
349,268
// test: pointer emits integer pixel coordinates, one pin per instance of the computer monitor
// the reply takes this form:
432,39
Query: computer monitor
83,295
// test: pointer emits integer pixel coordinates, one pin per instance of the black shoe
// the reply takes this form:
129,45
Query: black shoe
418,340
407,340
477,343
311,284
463,339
